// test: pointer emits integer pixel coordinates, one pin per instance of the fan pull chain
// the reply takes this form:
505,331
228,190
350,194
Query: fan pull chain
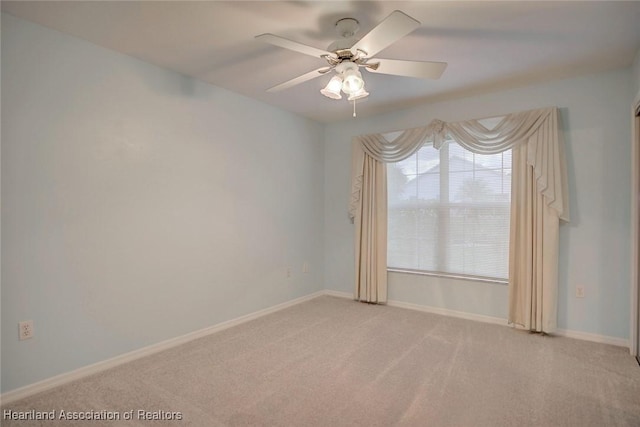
354,108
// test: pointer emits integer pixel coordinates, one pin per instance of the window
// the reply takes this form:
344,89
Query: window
448,212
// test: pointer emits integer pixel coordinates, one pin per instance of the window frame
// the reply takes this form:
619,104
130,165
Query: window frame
443,226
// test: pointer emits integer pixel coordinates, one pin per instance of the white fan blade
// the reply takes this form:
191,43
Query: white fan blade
291,45
300,79
419,69
391,29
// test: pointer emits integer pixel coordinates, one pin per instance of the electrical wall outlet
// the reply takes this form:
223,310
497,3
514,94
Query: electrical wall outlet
25,330
305,267
288,272
579,291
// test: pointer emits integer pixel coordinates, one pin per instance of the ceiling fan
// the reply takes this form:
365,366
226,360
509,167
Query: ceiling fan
346,55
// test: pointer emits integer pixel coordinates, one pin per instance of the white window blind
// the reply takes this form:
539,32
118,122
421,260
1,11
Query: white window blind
448,212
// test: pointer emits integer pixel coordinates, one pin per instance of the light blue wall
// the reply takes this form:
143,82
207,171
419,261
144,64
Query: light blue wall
139,205
594,247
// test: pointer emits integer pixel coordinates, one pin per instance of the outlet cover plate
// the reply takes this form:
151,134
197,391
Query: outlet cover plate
25,330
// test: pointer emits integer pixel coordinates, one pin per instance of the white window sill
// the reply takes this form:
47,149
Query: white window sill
449,276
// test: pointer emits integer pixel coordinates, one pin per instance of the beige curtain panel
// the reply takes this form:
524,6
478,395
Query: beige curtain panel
539,199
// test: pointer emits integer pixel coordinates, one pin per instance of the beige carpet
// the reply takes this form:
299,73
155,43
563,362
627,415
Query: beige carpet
335,362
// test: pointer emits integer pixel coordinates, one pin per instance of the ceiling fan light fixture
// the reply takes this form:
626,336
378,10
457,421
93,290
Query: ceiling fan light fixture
362,93
352,81
332,89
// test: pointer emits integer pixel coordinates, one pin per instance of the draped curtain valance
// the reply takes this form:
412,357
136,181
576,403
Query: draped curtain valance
537,128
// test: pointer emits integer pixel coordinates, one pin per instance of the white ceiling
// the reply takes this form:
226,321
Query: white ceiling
488,45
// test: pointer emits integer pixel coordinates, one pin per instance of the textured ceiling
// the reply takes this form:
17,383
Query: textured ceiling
488,45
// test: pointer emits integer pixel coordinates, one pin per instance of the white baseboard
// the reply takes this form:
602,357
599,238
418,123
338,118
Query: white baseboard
585,336
428,309
450,313
338,294
58,380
